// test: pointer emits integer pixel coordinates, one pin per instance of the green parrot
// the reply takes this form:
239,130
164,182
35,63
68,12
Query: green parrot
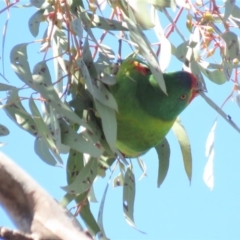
145,113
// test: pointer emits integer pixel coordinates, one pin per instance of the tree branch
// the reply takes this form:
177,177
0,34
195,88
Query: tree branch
36,214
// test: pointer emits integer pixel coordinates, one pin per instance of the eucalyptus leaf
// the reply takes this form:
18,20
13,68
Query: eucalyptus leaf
43,130
215,76
67,199
109,123
60,38
90,20
40,3
129,196
163,151
143,167
42,82
102,234
229,6
165,56
51,120
34,22
141,11
20,64
18,114
6,87
232,45
118,180
139,37
208,175
77,27
107,52
96,88
87,216
181,51
3,130
76,141
42,150
92,196
84,179
183,140
75,163
83,210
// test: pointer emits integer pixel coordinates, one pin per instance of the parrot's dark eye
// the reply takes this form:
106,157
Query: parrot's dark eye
183,97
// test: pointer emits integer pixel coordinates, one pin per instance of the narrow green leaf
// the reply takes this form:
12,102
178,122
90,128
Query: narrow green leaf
92,196
183,140
118,180
20,65
42,150
146,50
77,27
108,52
165,56
75,167
43,131
229,6
3,130
75,164
6,87
60,39
17,113
34,22
84,179
162,3
141,11
232,45
181,51
108,79
67,199
215,76
40,3
96,88
208,175
42,83
94,135
92,20
129,196
195,69
109,123
194,38
235,15
102,234
4,34
88,217
143,167
104,163
76,141
41,74
85,212
163,151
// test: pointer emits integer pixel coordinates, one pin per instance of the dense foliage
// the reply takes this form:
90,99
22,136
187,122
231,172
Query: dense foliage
64,105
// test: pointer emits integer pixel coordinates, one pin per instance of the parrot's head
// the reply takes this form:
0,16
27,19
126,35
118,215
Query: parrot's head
182,87
183,83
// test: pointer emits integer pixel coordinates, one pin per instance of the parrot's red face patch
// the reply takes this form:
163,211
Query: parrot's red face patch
140,68
196,88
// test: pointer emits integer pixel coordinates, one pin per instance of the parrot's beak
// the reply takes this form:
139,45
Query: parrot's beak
197,87
200,87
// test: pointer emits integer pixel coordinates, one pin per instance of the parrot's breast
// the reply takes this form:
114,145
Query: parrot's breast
139,132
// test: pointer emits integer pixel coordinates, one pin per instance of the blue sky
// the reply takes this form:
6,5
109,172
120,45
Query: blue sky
176,210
